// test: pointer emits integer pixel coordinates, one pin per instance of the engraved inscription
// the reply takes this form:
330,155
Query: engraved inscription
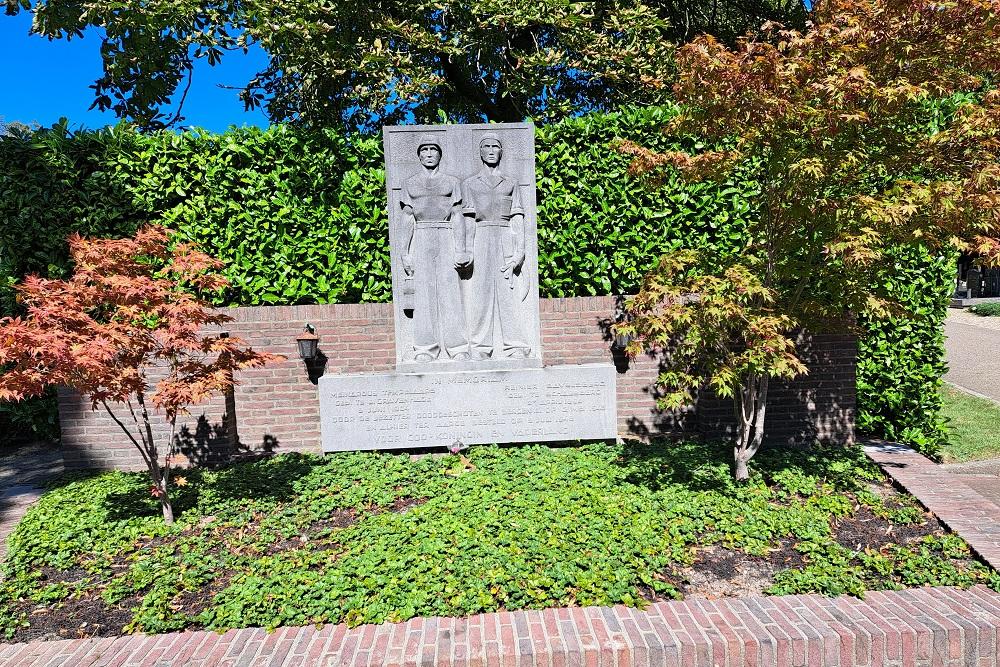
437,409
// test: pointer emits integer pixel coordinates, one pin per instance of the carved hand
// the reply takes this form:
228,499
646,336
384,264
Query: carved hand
508,271
463,259
408,264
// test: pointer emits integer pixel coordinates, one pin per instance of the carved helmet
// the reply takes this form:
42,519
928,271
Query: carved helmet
428,140
491,135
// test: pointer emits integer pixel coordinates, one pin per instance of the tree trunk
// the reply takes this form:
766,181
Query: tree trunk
162,492
741,472
147,448
750,403
160,477
168,509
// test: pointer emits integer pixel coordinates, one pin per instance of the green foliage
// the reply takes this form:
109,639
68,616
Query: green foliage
365,537
358,64
986,309
901,359
299,217
929,561
29,420
601,230
714,341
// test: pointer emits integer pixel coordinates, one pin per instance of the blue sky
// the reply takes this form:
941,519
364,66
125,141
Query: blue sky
42,81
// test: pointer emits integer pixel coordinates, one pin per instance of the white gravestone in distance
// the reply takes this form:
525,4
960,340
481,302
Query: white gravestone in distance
464,250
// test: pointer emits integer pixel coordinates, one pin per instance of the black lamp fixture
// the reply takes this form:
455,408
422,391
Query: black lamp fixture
308,343
621,340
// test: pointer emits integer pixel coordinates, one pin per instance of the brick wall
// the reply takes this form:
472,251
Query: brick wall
277,408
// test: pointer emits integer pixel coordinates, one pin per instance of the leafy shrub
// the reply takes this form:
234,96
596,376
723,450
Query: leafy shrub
299,217
986,309
901,359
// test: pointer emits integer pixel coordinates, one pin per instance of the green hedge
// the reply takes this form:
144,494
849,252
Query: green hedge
299,216
901,359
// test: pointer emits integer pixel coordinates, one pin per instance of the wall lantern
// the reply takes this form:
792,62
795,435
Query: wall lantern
621,341
308,343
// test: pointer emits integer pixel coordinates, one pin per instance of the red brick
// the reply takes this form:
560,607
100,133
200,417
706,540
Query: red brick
280,401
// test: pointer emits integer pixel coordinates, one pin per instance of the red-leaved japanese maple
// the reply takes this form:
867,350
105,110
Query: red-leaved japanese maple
124,318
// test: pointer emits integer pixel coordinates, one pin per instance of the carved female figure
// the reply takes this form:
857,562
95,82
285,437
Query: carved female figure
493,199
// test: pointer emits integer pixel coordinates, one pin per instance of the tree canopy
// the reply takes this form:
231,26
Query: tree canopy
874,129
122,329
363,63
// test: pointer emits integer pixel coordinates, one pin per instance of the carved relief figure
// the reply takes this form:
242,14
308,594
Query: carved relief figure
435,251
496,288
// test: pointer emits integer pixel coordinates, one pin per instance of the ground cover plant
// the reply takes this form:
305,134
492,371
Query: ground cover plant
971,424
367,537
986,309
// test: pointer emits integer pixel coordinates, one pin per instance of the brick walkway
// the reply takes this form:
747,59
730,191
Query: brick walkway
928,626
963,507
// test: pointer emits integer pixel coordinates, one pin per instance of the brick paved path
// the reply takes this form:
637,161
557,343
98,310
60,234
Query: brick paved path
964,507
928,626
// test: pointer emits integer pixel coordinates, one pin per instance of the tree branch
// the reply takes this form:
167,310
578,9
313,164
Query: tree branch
131,437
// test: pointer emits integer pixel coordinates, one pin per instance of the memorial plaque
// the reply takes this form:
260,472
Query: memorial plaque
463,243
398,410
464,247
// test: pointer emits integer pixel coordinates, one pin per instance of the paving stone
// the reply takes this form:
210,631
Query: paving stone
967,509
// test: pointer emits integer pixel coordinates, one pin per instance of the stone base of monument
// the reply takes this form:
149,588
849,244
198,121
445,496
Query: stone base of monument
410,410
447,365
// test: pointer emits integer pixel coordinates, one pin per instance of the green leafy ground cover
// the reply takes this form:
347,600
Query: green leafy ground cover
972,421
986,309
366,537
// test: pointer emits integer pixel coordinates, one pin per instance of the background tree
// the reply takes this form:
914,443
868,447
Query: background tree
366,63
14,128
123,319
834,121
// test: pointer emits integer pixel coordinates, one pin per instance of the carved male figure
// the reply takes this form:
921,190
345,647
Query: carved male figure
435,251
493,199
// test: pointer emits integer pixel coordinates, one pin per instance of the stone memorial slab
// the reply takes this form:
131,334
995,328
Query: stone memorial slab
463,244
464,248
402,410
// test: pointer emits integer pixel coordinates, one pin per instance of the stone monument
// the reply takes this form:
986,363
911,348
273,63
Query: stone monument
462,215
464,250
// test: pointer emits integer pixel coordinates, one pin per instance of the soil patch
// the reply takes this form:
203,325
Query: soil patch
402,505
722,572
76,617
337,519
864,530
